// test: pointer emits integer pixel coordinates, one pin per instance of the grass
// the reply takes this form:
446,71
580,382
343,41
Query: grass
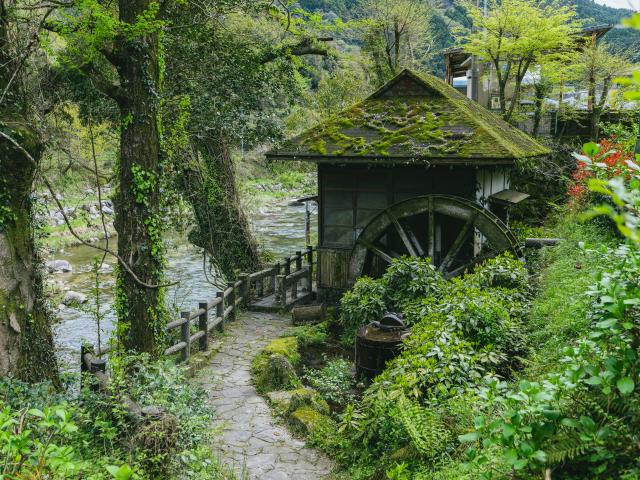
559,310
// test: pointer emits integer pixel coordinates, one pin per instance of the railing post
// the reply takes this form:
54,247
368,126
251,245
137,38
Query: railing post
260,287
232,300
294,289
310,256
287,266
309,279
272,280
203,326
298,260
281,290
220,310
185,334
245,291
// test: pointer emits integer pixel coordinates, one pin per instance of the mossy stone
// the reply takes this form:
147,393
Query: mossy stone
273,372
306,420
307,397
285,346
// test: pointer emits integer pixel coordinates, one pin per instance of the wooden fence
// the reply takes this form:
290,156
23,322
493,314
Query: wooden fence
275,288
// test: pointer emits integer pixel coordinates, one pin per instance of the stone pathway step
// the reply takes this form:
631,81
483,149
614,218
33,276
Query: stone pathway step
252,440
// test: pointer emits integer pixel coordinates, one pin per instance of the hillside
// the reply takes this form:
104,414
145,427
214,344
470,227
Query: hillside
623,40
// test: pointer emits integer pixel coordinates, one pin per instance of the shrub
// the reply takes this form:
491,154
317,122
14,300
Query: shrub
334,381
408,278
363,304
309,334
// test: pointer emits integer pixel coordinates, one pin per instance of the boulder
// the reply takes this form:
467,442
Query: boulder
74,298
58,266
285,402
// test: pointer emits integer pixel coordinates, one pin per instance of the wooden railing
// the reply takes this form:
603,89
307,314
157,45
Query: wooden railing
285,281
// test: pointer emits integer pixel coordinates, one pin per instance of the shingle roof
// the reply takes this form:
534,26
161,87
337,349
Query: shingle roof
412,119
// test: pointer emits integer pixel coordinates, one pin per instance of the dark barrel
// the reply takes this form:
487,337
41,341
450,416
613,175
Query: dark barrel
376,344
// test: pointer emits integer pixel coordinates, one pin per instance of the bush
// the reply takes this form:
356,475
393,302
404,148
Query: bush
461,332
363,304
307,335
408,278
333,382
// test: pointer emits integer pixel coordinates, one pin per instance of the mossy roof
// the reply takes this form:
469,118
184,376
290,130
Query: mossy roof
412,119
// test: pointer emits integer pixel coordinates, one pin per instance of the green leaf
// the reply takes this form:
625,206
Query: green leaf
591,148
625,385
468,437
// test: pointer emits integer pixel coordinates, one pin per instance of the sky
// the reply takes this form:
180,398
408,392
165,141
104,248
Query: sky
631,4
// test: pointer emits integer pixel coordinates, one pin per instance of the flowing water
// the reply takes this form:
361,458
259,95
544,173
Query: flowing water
280,229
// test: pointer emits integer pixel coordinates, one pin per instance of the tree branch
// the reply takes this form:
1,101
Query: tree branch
305,47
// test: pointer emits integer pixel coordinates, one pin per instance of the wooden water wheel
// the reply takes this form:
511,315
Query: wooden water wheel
455,233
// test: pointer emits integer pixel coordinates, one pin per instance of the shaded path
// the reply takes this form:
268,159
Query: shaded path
251,438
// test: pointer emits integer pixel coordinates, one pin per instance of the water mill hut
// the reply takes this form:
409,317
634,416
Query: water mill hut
415,169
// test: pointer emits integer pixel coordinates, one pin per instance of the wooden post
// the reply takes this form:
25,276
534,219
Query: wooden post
260,287
310,265
309,281
245,290
287,266
294,289
220,310
185,334
298,260
232,300
84,349
276,272
97,365
281,290
203,325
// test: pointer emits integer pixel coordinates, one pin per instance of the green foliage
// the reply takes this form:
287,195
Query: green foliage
334,381
408,278
363,304
309,334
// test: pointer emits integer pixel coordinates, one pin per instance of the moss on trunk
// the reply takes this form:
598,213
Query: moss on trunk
26,343
222,230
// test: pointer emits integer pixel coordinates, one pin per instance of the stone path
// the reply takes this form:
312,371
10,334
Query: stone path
252,441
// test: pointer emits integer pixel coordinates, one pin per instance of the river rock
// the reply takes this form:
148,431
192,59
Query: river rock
58,266
107,210
74,298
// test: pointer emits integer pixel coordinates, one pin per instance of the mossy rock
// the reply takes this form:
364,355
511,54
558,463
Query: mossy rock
307,397
306,420
285,402
285,346
273,372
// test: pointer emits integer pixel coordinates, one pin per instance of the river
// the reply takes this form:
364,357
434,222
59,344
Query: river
279,228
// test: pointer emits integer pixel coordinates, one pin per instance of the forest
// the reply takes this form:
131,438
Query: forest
319,239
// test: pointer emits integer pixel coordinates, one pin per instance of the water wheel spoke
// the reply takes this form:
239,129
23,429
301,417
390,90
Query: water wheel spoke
458,243
463,268
403,235
415,241
377,251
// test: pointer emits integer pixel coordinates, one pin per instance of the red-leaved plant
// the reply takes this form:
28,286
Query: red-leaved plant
602,161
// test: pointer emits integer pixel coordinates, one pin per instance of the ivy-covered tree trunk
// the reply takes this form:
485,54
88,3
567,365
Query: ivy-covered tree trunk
140,308
222,227
26,343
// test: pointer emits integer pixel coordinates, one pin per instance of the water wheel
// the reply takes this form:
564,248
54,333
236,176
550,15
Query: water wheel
455,233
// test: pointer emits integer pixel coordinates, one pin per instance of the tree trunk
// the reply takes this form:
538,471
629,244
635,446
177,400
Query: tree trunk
222,231
140,309
26,343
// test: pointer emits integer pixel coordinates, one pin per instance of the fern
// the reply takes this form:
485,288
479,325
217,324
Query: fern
425,428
